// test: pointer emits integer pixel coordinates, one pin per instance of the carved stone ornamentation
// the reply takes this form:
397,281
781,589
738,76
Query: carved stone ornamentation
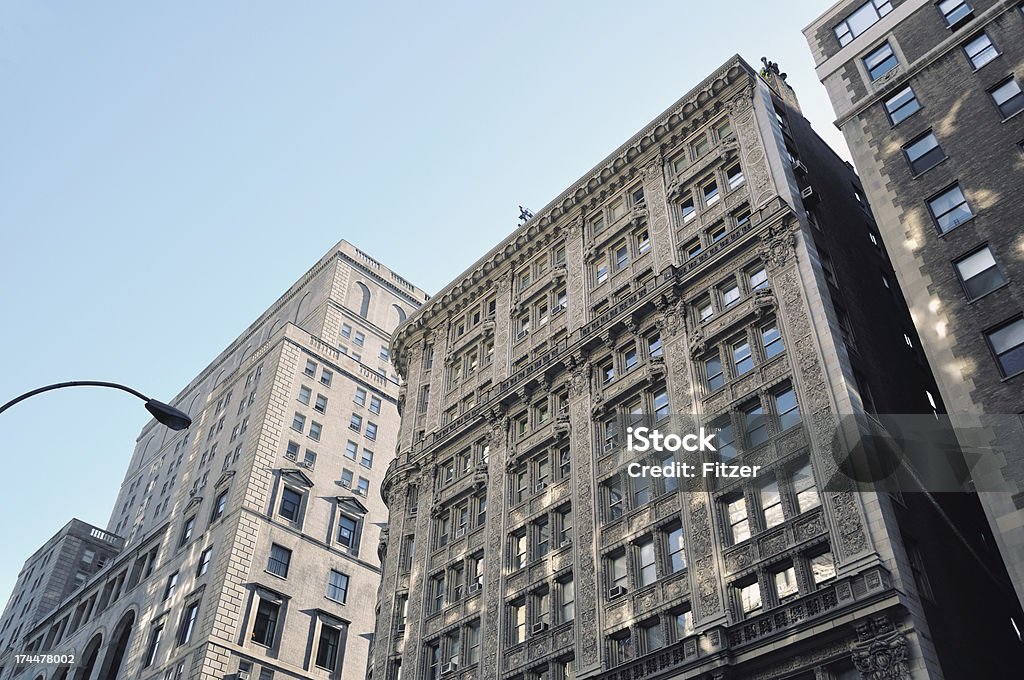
880,652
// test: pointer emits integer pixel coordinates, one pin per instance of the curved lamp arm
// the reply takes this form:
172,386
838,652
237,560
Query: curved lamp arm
164,413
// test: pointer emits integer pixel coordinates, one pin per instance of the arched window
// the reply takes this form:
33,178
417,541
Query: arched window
401,315
92,651
115,652
364,304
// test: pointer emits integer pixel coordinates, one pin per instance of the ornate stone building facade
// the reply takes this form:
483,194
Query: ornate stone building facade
937,134
721,265
249,540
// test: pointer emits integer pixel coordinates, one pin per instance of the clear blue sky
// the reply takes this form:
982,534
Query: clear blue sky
167,170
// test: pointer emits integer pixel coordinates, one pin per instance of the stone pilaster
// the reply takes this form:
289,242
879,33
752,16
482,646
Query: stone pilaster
503,328
495,528
752,152
576,275
663,245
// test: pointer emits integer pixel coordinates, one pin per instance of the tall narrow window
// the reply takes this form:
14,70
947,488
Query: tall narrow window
280,558
880,61
771,340
771,504
265,625
979,273
742,358
923,153
806,492
902,105
1008,97
950,208
756,425
676,549
713,372
188,623
648,570
787,409
328,647
711,195
980,51
337,586
739,524
1007,342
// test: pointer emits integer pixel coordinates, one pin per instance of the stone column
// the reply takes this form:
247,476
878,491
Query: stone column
585,512
575,274
502,328
495,528
663,245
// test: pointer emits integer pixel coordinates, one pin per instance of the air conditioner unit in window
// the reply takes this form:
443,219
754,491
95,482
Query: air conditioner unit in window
401,628
617,591
541,486
609,446
347,485
810,197
449,668
565,542
522,334
540,627
460,532
799,167
473,587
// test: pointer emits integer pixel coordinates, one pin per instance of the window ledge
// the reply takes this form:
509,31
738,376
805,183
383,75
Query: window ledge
984,295
943,234
1007,378
1011,116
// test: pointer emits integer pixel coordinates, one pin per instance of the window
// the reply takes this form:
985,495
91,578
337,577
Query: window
980,51
615,501
328,647
700,147
734,175
188,623
901,105
860,20
363,486
304,394
359,338
154,644
315,429
713,373
1007,342
806,492
741,216
724,131
750,597
517,619
785,583
172,585
265,626
367,459
880,61
337,586
518,552
823,568
704,310
291,501
654,345
350,450
683,623
310,369
711,195
726,438
979,273
186,530
374,404
204,562
688,210
742,358
955,11
360,397
757,278
355,422
299,422
730,294
950,209
771,340
756,425
384,355
601,270
622,646
654,636
923,153
219,504
771,504
280,557
717,233
621,256
346,330
786,408
739,524
566,600
645,554
1008,98
321,404
643,242
371,430
660,405
325,378
348,531
676,549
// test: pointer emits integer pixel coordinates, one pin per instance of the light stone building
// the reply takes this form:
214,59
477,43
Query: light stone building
928,95
723,264
250,539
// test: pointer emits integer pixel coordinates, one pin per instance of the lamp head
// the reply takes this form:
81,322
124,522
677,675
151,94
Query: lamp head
168,415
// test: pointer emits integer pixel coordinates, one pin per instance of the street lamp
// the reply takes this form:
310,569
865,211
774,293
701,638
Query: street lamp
164,413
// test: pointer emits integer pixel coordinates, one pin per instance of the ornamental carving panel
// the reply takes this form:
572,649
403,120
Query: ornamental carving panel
657,202
575,280
755,165
495,530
